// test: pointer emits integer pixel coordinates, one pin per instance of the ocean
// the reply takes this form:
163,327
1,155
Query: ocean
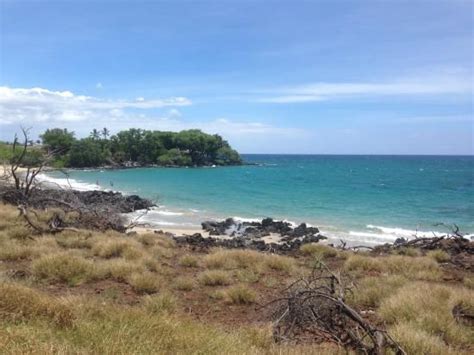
367,199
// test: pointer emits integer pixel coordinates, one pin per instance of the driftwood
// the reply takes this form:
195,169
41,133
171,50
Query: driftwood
314,309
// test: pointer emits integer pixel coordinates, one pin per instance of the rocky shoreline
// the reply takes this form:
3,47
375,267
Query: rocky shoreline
252,235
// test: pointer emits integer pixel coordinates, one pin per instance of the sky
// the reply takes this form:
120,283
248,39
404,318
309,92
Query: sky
308,77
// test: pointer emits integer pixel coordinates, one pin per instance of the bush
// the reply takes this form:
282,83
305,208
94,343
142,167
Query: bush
117,269
215,278
11,251
370,291
63,267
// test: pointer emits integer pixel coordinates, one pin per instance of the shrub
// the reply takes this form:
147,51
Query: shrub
240,294
215,278
318,250
189,261
63,267
145,282
19,302
439,255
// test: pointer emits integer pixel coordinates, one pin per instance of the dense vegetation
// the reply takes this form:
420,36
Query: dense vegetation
139,147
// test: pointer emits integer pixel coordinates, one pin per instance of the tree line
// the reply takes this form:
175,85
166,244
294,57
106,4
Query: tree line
138,147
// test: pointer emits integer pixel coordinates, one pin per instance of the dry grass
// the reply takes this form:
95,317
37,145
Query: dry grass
371,291
11,251
247,260
240,294
430,308
319,251
439,255
215,278
118,269
189,261
63,267
184,283
162,303
117,248
416,268
145,283
279,263
19,303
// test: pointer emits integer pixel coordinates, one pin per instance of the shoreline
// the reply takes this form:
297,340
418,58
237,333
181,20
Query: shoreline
178,221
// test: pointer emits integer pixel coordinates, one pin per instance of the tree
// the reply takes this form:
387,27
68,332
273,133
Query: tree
105,132
58,140
95,134
86,153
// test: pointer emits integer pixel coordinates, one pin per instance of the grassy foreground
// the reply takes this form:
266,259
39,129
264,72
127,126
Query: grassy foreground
110,293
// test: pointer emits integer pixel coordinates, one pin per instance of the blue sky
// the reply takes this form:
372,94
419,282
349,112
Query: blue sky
337,77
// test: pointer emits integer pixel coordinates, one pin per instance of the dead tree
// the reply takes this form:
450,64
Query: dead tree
314,309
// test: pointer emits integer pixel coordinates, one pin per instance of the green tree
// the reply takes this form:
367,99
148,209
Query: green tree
95,134
86,153
58,140
105,133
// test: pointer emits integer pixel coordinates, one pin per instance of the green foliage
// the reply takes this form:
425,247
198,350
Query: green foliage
57,139
86,152
136,146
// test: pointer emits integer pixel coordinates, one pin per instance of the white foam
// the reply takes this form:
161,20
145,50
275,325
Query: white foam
65,183
406,233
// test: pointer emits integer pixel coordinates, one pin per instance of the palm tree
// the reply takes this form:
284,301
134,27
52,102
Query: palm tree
105,132
95,134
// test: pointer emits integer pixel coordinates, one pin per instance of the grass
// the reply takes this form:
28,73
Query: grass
63,267
240,294
19,303
439,255
319,251
416,268
247,260
144,283
371,290
184,283
430,308
189,261
162,303
215,278
93,292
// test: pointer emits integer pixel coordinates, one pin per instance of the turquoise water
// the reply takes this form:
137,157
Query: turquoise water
358,197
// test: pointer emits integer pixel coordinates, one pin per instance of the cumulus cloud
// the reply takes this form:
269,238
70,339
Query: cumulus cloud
40,105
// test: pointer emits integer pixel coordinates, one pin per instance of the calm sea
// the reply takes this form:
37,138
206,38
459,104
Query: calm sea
366,198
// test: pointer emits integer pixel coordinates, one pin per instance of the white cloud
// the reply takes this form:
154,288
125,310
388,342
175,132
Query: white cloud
98,85
451,83
41,105
174,113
